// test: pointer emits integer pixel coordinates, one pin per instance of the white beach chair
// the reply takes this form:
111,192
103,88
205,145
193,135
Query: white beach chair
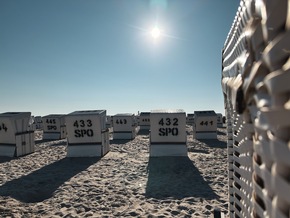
16,136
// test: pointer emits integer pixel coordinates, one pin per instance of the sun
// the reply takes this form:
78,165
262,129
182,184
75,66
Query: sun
155,33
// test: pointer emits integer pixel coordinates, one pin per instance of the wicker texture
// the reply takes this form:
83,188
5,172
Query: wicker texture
256,86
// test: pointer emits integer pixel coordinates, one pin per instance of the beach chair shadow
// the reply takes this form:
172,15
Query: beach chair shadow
41,184
194,150
143,132
221,133
39,141
214,143
4,159
120,141
46,140
176,177
60,143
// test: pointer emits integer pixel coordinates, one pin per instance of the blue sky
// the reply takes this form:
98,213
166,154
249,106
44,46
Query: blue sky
62,56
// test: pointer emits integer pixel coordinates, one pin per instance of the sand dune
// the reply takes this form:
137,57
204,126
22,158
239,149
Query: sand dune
124,183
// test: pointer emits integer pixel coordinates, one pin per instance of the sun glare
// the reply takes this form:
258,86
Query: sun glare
155,33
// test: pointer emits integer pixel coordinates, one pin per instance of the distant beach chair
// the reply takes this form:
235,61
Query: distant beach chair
256,87
219,120
124,126
190,119
205,124
54,127
144,121
38,122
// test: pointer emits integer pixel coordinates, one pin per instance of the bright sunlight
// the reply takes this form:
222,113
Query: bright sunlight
155,33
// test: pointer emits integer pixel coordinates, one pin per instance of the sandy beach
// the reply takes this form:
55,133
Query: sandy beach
124,183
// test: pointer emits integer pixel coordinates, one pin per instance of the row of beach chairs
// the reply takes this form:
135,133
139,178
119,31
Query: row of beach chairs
87,132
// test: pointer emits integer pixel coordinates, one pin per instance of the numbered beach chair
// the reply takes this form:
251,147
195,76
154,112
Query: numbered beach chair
168,133
124,126
144,121
87,134
54,127
205,125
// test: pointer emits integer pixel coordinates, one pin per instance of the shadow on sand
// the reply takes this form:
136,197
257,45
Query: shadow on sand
120,141
176,177
59,143
143,132
194,150
214,143
4,159
221,133
55,141
41,184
